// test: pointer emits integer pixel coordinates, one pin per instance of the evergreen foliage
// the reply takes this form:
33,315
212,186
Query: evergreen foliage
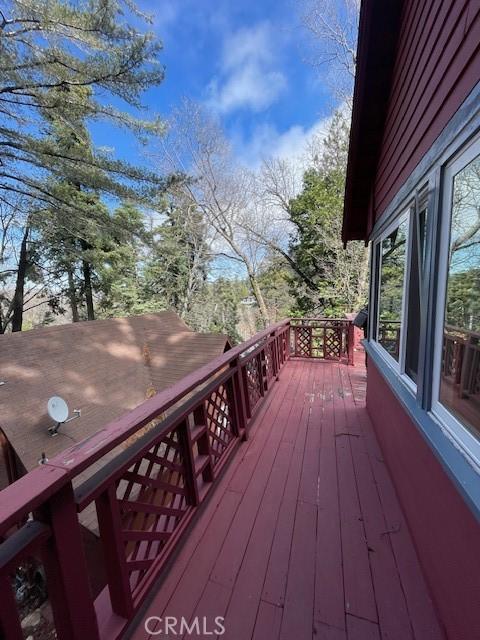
73,60
329,279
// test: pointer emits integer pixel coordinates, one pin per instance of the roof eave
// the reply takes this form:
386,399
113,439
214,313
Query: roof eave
379,28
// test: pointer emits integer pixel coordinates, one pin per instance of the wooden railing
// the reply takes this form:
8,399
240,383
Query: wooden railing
325,338
147,476
461,361
389,336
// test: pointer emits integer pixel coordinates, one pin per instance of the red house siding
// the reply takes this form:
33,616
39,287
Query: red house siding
437,65
445,532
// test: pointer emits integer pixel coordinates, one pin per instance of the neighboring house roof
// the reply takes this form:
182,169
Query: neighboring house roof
378,33
104,368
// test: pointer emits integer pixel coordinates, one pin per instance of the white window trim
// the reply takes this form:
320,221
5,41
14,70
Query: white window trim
398,367
456,430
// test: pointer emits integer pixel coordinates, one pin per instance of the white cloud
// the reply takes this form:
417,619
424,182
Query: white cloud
248,76
294,144
245,45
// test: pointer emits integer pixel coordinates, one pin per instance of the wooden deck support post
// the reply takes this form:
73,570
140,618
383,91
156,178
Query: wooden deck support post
66,569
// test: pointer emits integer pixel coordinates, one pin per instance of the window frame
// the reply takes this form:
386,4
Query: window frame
421,201
398,366
440,412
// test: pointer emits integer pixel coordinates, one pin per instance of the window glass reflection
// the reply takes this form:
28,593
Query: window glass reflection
460,375
394,248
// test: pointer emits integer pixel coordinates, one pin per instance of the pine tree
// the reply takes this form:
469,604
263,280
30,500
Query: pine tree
72,60
120,263
176,269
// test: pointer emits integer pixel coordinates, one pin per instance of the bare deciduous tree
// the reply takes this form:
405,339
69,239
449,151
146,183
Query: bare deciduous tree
333,25
220,189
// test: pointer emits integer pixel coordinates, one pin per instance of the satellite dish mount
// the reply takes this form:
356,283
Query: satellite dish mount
58,411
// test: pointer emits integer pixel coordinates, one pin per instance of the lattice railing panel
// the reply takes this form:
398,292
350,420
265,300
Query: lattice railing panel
219,422
253,376
303,341
323,338
333,343
152,499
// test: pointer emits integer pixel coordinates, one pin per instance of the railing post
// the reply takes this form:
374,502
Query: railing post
110,527
275,355
187,451
244,382
66,569
9,622
351,343
203,444
465,366
239,402
261,371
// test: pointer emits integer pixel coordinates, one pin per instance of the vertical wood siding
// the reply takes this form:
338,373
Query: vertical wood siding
438,64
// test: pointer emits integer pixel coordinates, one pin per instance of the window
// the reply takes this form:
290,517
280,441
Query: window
373,302
424,321
459,362
416,298
393,251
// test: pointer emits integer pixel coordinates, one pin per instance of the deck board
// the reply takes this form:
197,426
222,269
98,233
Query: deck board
303,537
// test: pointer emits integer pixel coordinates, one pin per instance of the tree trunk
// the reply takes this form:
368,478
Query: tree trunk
257,292
87,282
18,297
72,295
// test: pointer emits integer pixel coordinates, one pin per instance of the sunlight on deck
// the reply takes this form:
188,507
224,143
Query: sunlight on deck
303,537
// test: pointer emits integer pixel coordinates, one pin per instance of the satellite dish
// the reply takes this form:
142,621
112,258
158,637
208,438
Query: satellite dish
57,409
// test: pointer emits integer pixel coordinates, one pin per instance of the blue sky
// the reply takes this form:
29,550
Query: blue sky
245,59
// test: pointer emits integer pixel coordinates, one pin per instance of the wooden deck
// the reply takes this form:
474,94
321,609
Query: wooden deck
303,537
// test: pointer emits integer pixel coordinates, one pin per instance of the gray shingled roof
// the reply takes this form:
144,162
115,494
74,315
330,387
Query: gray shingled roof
105,368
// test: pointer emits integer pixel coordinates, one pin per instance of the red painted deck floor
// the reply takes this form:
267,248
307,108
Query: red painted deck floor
303,536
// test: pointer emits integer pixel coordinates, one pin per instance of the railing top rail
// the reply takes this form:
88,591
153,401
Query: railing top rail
31,490
320,319
467,332
94,485
29,493
79,456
